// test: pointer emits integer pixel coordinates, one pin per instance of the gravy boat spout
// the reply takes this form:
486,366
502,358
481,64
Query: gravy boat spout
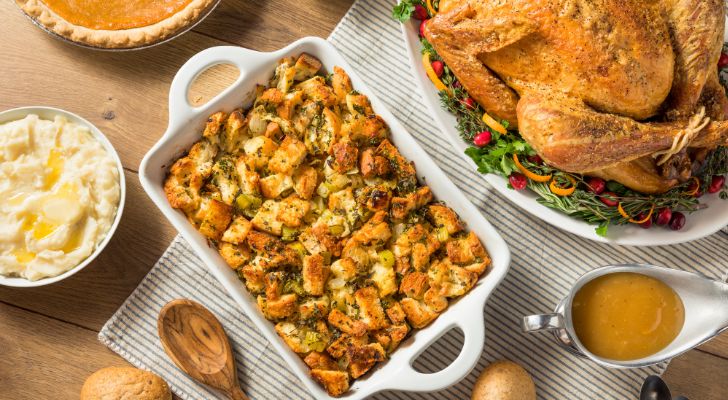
705,303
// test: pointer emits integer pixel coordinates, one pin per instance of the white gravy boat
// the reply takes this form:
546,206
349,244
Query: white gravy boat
706,314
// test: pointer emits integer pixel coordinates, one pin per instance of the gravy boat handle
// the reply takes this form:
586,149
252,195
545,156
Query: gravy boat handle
541,322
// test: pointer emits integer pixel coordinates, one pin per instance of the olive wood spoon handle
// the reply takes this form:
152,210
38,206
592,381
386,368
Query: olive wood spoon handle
194,339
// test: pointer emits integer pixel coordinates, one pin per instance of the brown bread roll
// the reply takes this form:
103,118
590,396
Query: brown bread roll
504,380
124,383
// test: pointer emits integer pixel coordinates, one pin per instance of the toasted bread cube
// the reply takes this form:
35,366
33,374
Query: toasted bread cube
266,219
358,104
248,179
403,169
363,358
414,285
454,280
177,186
401,206
479,267
237,231
254,277
384,278
418,314
339,347
336,383
187,175
285,73
225,179
318,360
345,324
290,154
280,308
443,216
274,252
344,268
314,308
235,132
370,308
373,130
271,96
306,66
291,335
395,335
305,181
316,89
292,210
315,274
375,231
434,300
345,156
214,126
466,250
396,313
341,83
213,217
274,285
274,185
273,131
375,198
259,150
372,165
235,255
285,110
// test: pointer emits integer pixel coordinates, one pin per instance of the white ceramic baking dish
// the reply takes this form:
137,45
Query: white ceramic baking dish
186,123
699,224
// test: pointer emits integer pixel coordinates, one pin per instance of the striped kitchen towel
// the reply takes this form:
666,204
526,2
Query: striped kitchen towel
546,261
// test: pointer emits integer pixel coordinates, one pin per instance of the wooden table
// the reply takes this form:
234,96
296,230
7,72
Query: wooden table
48,339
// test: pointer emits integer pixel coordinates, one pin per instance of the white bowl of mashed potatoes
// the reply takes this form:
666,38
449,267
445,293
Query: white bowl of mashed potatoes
62,194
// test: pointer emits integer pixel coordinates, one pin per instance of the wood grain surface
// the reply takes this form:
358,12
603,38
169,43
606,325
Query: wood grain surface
48,342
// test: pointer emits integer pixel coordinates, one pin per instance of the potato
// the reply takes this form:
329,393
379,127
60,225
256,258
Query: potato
504,380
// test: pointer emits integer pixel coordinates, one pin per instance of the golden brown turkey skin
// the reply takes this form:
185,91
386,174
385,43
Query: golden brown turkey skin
578,76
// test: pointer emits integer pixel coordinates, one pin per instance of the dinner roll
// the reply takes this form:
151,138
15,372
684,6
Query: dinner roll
504,380
124,383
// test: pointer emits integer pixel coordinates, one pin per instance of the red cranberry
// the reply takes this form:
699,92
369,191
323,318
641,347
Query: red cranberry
596,185
420,12
457,85
723,61
716,184
535,159
611,201
482,139
438,67
518,181
663,216
696,188
678,221
647,224
469,102
422,27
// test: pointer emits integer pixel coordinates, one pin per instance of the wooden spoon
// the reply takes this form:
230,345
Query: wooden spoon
194,339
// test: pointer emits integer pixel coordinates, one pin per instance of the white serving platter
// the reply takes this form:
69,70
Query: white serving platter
185,125
699,224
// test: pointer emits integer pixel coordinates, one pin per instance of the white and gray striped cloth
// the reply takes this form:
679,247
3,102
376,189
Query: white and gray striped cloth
546,261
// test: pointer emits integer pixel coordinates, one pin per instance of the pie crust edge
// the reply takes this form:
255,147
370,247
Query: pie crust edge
115,39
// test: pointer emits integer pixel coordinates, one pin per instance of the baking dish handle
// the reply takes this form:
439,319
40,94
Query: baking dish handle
473,331
181,112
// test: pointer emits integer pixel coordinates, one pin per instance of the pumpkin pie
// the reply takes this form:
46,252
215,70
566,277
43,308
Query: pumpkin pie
115,23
